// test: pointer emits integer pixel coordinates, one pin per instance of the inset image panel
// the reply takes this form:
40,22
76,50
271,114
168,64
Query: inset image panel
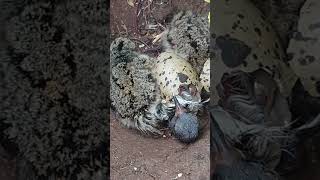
159,89
54,90
265,113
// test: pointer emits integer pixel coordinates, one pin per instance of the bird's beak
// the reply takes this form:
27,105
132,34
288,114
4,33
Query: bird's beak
193,90
179,108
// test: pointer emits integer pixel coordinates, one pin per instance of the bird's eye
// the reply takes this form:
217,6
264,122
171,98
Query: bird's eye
183,87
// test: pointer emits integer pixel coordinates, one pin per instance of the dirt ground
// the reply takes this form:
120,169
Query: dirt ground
132,155
152,19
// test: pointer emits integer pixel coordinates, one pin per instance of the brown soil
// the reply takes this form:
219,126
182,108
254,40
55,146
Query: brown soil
134,156
124,21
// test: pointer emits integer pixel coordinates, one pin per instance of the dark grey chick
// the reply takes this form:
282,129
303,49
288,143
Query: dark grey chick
229,163
258,148
184,125
265,139
189,118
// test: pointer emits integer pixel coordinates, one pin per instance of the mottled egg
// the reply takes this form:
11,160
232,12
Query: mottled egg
243,40
171,70
205,76
304,48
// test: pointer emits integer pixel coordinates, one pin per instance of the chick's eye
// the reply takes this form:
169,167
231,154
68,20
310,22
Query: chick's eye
183,87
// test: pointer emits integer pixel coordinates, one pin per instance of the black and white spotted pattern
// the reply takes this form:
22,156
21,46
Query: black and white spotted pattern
241,39
304,48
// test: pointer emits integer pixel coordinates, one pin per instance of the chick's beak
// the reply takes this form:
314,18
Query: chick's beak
179,109
193,90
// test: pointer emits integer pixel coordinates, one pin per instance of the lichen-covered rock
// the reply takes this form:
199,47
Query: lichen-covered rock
304,48
188,34
54,86
243,40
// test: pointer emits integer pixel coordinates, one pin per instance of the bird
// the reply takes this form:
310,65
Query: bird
244,113
136,95
236,91
188,35
231,141
229,162
184,125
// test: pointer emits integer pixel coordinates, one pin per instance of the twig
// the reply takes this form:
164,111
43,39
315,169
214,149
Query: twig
135,39
157,37
161,26
124,27
154,49
119,31
138,14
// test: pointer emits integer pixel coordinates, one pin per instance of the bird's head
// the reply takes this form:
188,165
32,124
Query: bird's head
189,98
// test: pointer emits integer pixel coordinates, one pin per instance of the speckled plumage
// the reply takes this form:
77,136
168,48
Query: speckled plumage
188,36
134,92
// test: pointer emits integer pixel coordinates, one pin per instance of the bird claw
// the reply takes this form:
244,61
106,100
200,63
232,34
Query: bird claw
150,130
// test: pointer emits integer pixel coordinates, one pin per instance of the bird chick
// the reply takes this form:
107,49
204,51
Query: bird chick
184,125
230,164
